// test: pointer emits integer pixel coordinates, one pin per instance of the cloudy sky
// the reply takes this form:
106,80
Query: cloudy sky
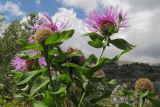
143,23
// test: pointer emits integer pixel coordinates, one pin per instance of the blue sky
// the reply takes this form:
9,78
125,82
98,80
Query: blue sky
143,20
27,6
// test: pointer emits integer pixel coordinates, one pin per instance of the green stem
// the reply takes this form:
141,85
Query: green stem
48,64
142,100
81,99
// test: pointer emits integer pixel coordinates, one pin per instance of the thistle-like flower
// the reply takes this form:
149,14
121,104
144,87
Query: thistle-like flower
44,27
103,20
19,63
144,84
24,64
41,34
46,21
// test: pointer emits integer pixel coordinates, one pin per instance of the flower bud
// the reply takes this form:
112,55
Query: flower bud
144,84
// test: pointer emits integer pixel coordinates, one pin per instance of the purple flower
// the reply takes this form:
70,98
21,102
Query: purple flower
19,63
97,20
46,21
24,64
30,39
42,62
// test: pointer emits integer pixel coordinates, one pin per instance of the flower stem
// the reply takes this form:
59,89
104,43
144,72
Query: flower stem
48,64
142,100
81,99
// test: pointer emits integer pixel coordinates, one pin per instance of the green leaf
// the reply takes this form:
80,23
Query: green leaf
116,58
35,46
39,104
125,105
63,56
48,99
59,37
82,69
144,94
29,57
29,75
101,62
96,43
62,89
122,44
113,82
155,102
65,78
38,84
120,18
113,29
94,36
105,95
17,74
91,59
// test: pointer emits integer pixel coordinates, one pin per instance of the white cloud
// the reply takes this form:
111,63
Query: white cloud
37,2
143,29
12,8
82,4
88,5
77,41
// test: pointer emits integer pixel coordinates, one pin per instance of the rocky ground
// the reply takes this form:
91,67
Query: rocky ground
131,72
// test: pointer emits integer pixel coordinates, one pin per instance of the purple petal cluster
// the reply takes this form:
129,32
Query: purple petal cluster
23,64
46,21
19,63
97,18
42,62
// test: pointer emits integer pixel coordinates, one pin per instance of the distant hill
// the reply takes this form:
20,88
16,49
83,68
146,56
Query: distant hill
125,71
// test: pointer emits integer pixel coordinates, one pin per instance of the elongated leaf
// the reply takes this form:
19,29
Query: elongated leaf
29,75
122,44
116,58
64,78
94,36
35,46
59,37
39,104
29,57
91,59
113,82
105,95
82,69
48,99
38,84
96,43
62,57
61,90
100,64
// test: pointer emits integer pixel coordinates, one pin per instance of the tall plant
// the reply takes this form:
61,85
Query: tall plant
53,77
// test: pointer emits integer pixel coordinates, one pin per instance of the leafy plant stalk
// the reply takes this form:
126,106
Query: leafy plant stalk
142,100
84,93
48,64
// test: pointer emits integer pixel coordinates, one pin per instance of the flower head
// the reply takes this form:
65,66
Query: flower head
41,34
101,20
19,63
24,64
46,21
144,84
